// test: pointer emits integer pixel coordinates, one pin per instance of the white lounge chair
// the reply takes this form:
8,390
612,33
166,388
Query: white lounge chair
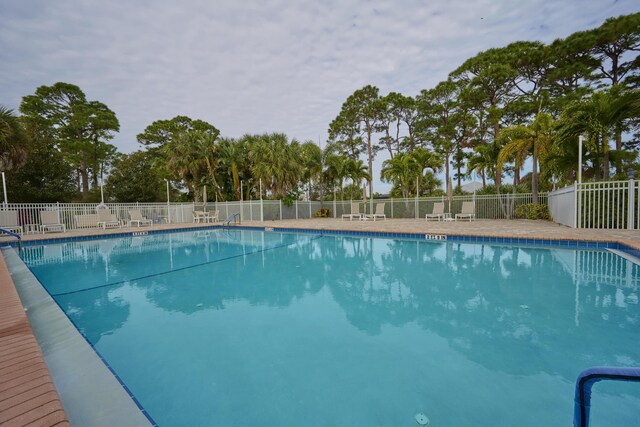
136,216
468,211
9,221
202,216
107,219
437,213
355,212
379,213
49,222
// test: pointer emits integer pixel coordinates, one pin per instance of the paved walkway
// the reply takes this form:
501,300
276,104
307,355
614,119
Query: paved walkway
495,228
27,394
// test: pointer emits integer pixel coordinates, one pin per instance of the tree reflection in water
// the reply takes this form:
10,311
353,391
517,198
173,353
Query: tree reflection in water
514,310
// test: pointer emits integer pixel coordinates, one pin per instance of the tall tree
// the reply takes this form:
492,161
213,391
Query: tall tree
80,128
445,121
13,140
360,114
134,179
489,79
162,132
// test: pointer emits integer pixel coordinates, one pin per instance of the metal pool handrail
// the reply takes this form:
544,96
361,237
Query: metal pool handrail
16,235
587,379
231,217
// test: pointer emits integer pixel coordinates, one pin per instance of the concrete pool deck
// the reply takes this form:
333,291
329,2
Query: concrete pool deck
488,228
65,351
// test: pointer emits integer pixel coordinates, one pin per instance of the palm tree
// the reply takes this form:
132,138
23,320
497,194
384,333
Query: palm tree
277,162
13,140
401,170
192,156
357,171
484,160
312,163
337,167
523,140
233,160
596,118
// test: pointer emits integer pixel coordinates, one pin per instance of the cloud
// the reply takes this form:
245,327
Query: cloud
260,66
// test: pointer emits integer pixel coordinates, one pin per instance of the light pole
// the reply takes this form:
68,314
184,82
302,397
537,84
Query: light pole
580,141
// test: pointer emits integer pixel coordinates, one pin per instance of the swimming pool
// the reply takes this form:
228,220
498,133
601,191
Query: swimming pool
238,327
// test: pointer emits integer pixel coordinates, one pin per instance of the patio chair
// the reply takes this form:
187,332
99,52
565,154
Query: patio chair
213,216
379,213
107,219
468,211
49,222
136,216
9,221
200,216
355,212
437,213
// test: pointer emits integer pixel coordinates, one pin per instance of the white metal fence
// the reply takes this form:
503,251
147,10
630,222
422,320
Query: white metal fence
605,205
486,206
70,214
562,206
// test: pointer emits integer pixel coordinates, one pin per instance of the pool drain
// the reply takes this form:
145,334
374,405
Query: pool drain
422,419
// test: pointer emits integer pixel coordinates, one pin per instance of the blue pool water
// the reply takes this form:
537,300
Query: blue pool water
249,328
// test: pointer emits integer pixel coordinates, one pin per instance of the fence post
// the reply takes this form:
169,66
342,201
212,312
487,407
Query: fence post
576,205
631,202
392,208
310,215
296,209
416,215
281,210
261,205
334,204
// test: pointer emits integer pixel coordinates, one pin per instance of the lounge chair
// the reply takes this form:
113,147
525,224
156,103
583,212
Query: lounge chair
202,216
379,213
49,222
136,216
355,212
9,221
468,211
107,219
437,213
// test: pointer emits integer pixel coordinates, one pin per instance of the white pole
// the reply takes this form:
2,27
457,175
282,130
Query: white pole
102,193
417,183
4,190
168,204
580,141
261,204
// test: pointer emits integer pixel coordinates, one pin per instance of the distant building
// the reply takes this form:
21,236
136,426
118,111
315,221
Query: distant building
471,187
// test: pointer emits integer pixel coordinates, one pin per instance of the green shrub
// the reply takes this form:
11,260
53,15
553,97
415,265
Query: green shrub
323,213
533,211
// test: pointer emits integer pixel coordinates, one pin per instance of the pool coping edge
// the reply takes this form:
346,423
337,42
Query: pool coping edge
75,365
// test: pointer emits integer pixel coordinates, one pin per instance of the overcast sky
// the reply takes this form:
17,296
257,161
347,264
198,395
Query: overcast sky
264,65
